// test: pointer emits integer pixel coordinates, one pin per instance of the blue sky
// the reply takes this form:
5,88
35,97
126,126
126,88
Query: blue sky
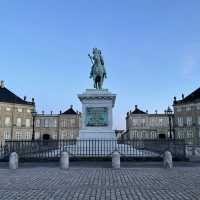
151,50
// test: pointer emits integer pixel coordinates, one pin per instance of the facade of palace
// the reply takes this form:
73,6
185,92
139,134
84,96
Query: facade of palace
65,125
142,125
187,117
15,115
16,120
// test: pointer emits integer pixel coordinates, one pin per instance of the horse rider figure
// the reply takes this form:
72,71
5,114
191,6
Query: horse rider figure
98,72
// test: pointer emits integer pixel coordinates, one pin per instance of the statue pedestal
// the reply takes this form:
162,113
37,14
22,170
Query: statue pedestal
96,118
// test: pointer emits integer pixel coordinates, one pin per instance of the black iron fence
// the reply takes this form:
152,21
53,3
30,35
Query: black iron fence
93,148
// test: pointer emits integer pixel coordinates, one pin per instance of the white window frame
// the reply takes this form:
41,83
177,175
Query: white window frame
188,108
189,121
28,123
7,135
19,122
7,121
8,109
19,110
28,111
180,121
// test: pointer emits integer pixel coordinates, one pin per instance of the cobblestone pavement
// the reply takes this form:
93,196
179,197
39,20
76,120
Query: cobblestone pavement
51,183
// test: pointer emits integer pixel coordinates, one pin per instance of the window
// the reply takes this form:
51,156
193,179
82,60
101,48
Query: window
28,122
52,123
134,122
19,110
143,122
64,123
153,134
180,121
42,123
46,123
7,135
8,109
198,120
28,135
19,122
189,121
188,108
72,122
179,109
28,111
198,107
18,135
37,123
189,134
37,135
153,122
160,121
7,121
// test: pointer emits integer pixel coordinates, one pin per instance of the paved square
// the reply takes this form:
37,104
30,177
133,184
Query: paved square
51,183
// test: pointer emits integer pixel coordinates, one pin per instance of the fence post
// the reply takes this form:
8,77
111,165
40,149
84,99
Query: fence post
13,160
167,160
116,160
64,160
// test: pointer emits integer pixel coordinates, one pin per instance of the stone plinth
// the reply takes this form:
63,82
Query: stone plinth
97,121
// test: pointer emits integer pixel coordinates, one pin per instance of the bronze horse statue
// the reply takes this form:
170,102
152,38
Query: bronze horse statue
98,72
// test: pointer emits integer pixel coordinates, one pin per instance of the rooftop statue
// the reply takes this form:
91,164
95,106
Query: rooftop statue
98,72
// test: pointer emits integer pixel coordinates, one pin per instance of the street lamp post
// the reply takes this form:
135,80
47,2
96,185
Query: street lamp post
169,114
34,115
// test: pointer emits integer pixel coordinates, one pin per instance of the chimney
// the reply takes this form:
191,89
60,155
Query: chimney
2,84
51,112
136,107
174,98
182,96
33,100
156,112
71,106
43,112
24,98
60,112
147,111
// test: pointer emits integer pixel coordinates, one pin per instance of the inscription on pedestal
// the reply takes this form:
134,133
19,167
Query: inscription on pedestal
96,116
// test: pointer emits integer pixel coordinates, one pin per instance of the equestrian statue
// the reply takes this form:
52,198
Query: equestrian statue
98,72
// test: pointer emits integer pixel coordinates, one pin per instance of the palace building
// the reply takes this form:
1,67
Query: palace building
18,115
65,125
187,117
15,115
142,125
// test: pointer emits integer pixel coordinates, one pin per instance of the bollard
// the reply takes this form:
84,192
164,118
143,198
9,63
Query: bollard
64,160
116,160
167,160
13,160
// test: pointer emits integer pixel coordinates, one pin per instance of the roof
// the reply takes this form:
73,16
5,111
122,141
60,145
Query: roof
138,111
191,98
9,97
70,111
